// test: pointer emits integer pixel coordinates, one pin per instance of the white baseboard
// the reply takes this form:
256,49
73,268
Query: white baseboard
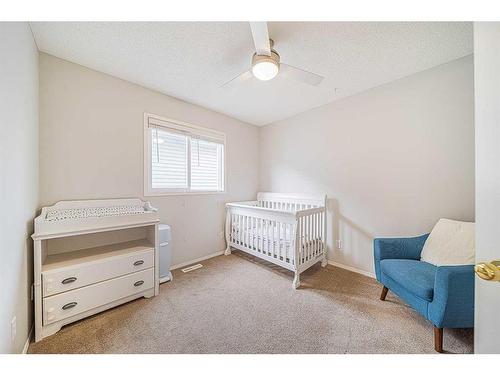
352,269
196,260
28,340
340,265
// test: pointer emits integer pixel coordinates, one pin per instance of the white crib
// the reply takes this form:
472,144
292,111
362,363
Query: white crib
288,230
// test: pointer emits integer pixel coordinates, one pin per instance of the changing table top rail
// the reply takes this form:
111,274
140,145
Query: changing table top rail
68,218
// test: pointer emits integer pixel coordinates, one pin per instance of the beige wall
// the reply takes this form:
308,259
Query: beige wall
91,146
393,159
19,178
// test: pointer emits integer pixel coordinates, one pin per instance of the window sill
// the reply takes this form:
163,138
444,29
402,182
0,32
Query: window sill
167,193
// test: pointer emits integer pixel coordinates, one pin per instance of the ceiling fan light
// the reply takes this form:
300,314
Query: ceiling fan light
265,70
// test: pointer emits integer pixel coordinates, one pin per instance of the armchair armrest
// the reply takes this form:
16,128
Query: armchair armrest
397,248
453,302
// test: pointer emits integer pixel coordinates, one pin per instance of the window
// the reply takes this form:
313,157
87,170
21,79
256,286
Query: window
182,158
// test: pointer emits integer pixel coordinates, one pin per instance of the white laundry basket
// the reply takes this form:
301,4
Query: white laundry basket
165,252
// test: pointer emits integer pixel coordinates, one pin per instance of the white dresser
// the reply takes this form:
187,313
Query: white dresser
90,256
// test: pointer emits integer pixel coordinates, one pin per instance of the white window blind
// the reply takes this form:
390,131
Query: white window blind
206,165
183,158
169,156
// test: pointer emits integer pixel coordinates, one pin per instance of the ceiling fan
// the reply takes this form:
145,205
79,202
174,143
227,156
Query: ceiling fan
266,62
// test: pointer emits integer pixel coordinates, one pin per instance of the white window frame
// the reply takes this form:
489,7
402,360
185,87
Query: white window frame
188,128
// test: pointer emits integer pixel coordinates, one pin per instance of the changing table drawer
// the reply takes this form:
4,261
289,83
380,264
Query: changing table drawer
65,305
76,276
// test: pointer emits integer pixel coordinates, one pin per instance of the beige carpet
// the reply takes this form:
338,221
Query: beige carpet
237,304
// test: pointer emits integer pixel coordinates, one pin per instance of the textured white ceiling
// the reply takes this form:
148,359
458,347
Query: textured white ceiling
190,60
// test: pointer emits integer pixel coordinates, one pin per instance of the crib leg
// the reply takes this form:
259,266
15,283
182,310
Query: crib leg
324,261
296,280
227,229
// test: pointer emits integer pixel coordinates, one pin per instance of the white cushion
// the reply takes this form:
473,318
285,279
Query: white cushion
450,243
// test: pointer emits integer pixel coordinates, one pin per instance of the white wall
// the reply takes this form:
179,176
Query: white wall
487,98
19,178
393,159
91,146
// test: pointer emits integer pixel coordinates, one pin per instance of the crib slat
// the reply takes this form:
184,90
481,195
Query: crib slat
279,240
247,232
309,249
283,250
301,241
273,243
252,232
264,228
242,230
309,237
318,233
323,231
235,233
306,242
261,235
237,229
257,226
320,225
273,226
315,235
287,245
266,236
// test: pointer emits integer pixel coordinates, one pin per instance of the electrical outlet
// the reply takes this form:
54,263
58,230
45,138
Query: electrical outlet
13,329
339,244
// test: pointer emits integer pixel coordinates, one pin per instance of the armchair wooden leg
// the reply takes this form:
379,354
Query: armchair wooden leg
384,293
438,339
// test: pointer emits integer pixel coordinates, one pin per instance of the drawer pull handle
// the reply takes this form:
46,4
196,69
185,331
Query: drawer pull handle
139,283
69,280
69,305
138,262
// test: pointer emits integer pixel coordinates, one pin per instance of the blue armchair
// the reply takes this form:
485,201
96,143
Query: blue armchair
443,295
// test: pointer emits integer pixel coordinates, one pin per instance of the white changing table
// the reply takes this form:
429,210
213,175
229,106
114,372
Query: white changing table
90,256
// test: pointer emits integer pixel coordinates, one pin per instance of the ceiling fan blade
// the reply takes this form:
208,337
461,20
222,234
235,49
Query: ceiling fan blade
261,38
300,75
238,79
